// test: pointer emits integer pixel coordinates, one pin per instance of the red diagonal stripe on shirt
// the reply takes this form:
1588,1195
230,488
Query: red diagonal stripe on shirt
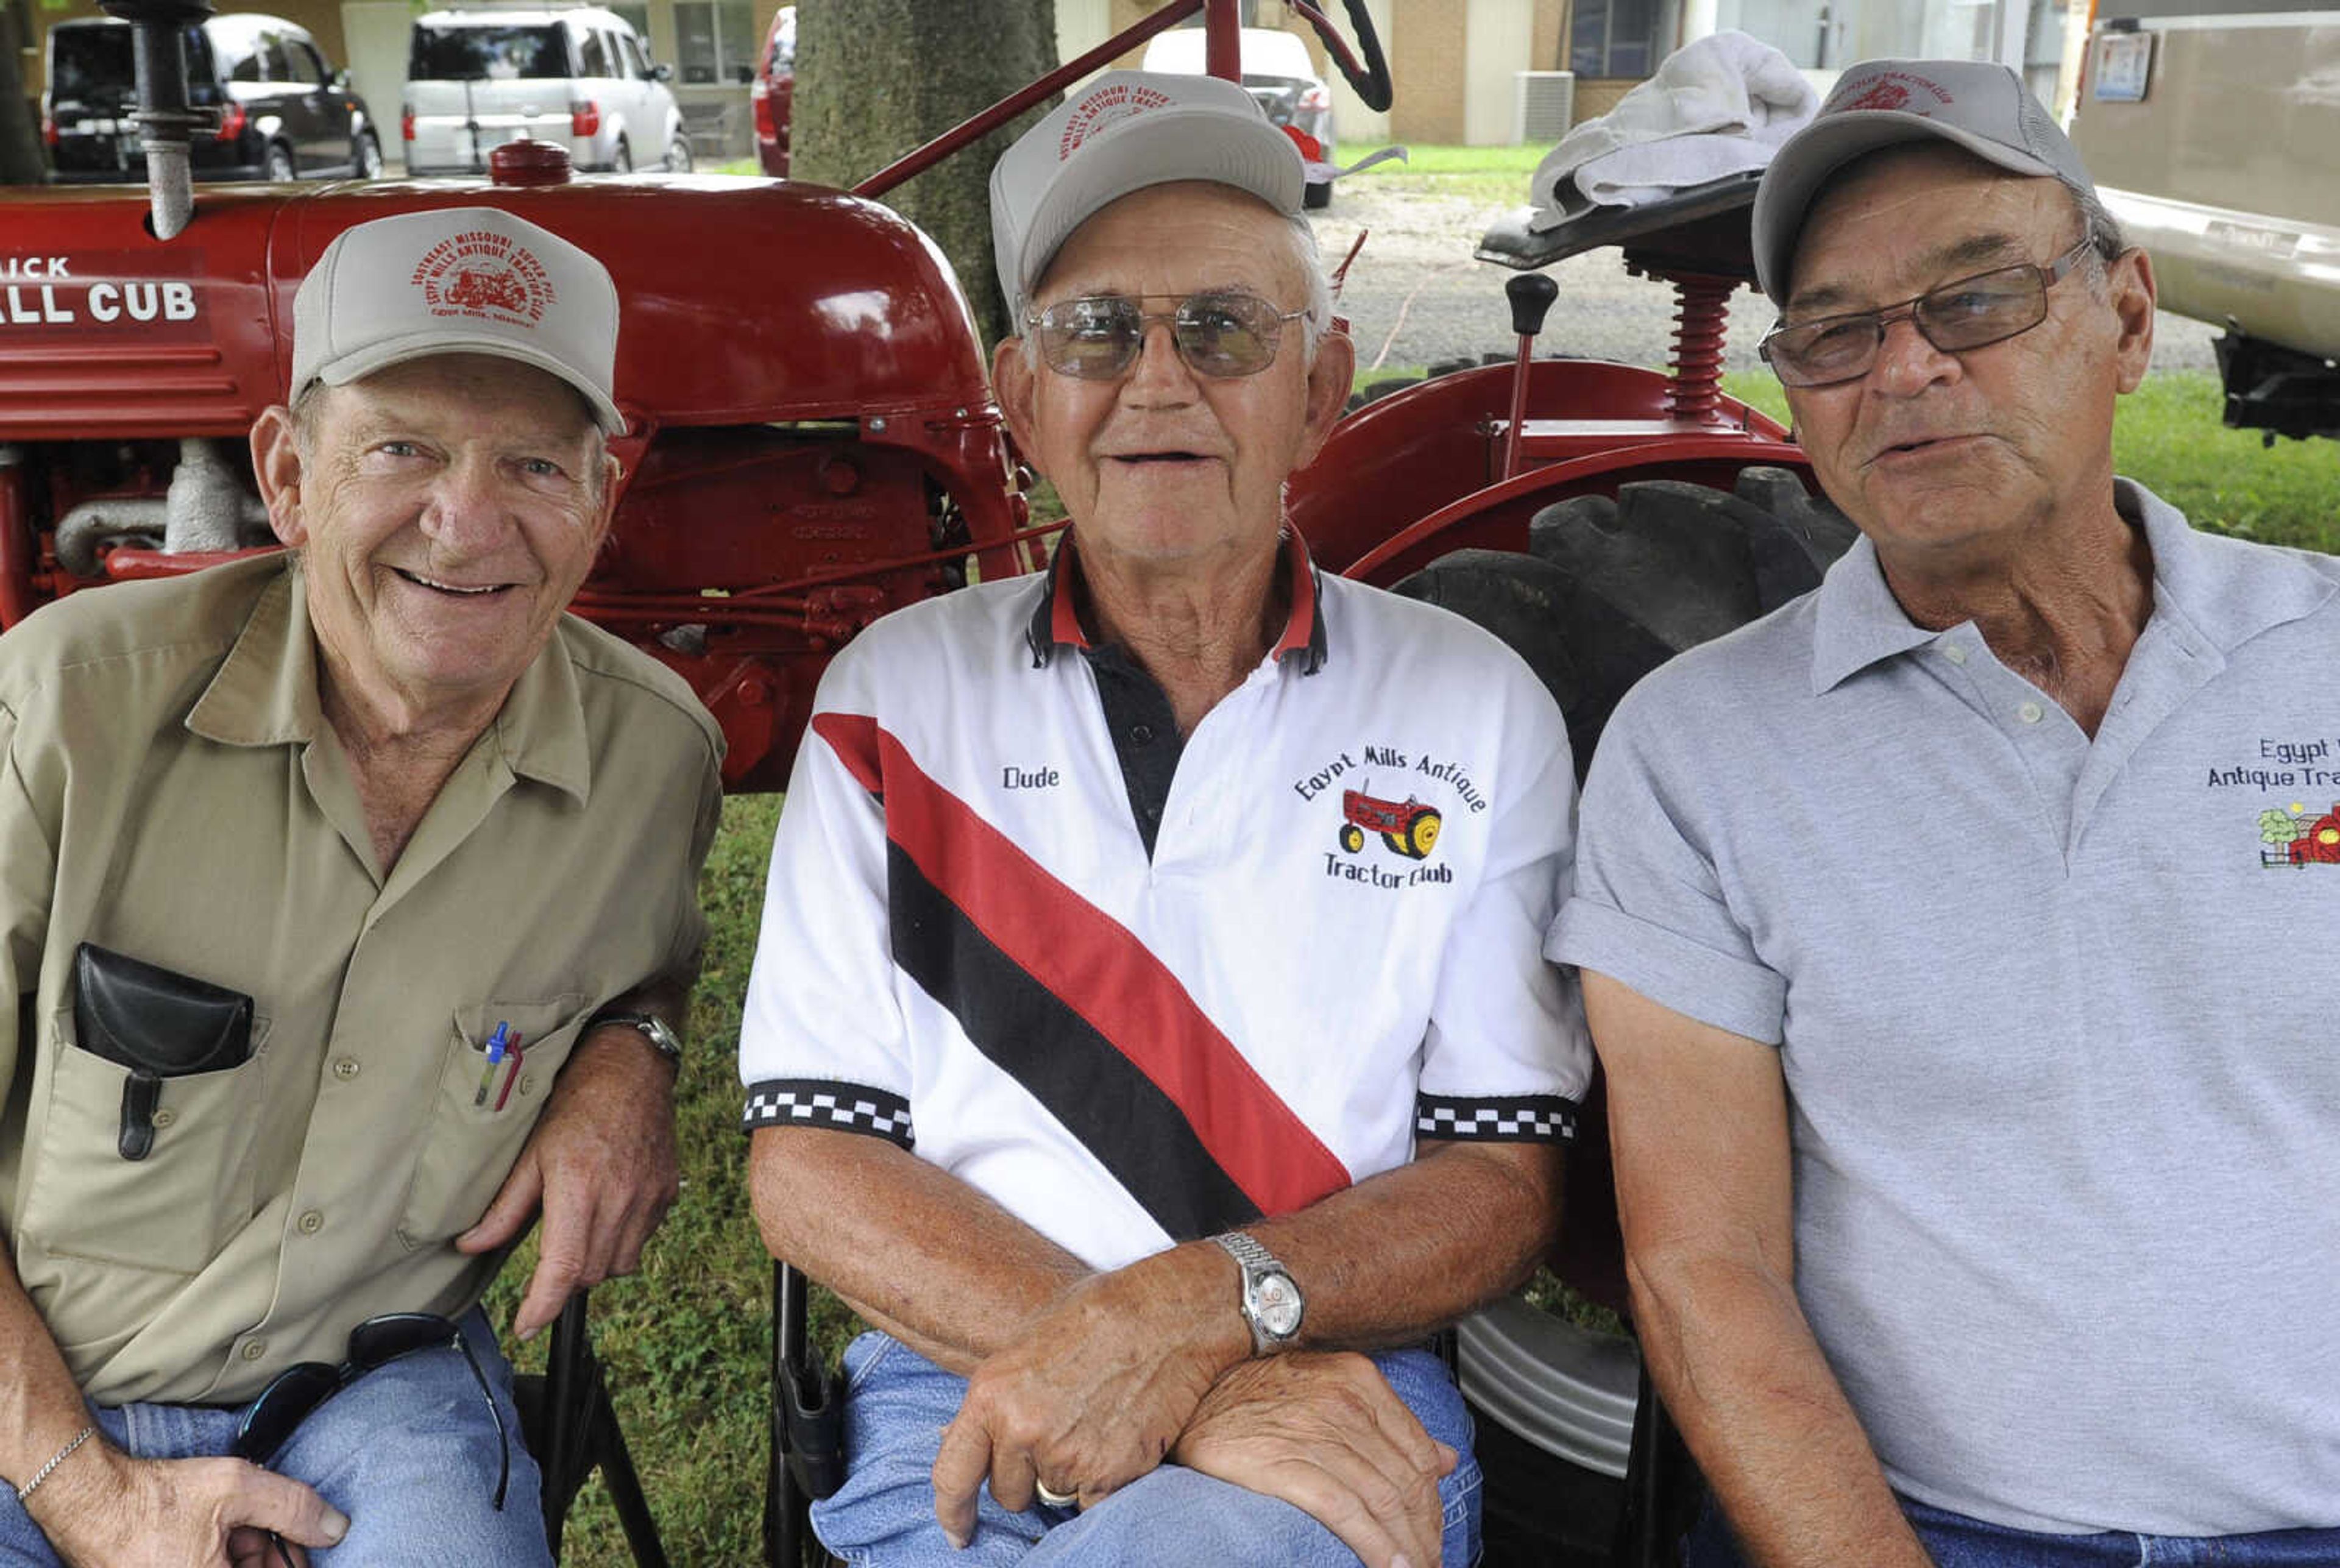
1099,969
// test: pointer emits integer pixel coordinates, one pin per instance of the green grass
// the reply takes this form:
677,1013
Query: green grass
1494,176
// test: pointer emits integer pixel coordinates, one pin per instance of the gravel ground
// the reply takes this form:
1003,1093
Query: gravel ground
1415,296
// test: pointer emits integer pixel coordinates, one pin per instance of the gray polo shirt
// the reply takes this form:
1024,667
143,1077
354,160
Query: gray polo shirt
2057,1018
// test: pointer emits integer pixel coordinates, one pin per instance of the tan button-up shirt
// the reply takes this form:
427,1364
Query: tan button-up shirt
169,791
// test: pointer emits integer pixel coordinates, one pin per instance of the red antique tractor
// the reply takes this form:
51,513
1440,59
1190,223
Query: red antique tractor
1408,826
811,443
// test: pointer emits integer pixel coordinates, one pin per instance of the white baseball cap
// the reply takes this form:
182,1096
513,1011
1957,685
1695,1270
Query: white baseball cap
1121,133
1980,107
458,280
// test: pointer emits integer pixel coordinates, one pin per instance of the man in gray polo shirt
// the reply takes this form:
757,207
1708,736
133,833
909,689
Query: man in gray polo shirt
1954,938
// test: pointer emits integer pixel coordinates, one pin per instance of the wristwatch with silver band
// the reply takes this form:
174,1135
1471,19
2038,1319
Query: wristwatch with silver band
1272,1302
655,1029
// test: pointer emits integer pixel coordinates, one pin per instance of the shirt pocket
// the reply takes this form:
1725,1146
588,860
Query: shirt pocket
483,1113
173,1210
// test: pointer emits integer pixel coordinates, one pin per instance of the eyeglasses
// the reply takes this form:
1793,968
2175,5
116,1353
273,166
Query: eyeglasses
295,1393
1219,334
1969,313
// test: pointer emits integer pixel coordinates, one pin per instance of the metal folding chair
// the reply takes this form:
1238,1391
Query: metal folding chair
806,1459
571,1428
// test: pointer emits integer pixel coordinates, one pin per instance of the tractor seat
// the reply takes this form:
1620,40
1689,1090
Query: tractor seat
1702,230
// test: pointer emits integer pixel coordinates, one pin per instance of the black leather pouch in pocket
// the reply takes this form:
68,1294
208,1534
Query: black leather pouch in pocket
157,1023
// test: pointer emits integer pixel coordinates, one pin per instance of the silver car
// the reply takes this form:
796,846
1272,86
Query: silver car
578,77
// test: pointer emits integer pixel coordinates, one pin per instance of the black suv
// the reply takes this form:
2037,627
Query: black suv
285,113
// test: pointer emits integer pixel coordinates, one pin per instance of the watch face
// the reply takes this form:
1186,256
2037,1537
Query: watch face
1279,1305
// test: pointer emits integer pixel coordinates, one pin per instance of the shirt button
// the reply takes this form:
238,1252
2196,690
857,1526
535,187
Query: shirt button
527,1085
1142,733
254,1349
1956,652
311,1222
346,1068
2030,712
165,1118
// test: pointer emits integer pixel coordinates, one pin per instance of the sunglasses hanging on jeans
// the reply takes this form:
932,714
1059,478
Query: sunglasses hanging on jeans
293,1394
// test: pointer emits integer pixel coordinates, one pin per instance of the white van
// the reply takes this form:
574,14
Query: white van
579,77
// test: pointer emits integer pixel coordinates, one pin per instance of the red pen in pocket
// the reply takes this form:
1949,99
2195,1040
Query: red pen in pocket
514,1057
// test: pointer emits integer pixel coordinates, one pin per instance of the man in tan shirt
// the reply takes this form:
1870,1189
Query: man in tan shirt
347,903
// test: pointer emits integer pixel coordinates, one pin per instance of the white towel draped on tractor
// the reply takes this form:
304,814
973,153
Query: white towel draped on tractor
1717,107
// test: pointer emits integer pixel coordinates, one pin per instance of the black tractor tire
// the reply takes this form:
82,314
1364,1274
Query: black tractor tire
1609,591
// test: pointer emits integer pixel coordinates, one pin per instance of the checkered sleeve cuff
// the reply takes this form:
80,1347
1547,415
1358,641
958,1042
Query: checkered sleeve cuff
1515,1119
826,1103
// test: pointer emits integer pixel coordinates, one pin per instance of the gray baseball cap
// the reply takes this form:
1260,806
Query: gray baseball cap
1120,133
458,280
1982,107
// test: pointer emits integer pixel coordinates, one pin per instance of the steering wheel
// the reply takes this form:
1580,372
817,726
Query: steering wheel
1371,80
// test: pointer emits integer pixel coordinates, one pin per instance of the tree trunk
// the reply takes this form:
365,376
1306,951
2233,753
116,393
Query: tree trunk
20,139
876,78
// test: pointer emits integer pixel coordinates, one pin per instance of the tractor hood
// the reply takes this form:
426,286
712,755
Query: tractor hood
743,301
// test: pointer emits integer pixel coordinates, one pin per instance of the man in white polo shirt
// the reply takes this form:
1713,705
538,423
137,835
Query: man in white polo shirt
1149,1009
1950,937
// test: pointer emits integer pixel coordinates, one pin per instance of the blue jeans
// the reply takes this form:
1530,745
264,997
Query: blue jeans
1955,1540
897,1402
406,1451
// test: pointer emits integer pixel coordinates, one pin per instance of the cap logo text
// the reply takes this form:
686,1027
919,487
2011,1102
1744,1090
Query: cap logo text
486,274
1102,108
1896,90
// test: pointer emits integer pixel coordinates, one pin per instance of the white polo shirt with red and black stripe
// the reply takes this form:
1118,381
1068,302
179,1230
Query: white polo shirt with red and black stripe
1139,990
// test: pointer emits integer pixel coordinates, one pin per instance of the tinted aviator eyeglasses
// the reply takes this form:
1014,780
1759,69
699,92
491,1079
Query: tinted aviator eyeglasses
293,1394
1971,312
1219,334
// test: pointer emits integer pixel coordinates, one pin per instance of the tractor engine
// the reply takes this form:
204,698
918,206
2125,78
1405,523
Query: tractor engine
810,439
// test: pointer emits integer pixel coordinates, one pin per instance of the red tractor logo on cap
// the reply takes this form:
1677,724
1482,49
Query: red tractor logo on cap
482,273
1885,94
472,290
1411,828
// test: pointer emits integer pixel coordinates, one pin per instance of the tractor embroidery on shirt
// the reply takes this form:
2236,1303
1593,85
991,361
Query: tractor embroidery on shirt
1410,830
2292,839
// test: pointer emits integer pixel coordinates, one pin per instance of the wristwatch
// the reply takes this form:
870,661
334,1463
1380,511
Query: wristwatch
1272,1302
662,1039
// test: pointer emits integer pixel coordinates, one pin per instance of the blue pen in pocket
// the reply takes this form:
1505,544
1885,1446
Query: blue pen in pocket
495,1049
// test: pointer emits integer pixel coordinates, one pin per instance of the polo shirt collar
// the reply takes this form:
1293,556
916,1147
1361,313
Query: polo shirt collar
265,693
1055,619
2221,591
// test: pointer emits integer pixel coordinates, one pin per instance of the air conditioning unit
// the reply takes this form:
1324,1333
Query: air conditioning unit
1543,106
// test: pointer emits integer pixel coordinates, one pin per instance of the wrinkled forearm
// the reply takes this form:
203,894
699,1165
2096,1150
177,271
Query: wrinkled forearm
1743,1378
912,1248
1404,1253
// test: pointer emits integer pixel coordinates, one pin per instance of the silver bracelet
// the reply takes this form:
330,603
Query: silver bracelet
59,1457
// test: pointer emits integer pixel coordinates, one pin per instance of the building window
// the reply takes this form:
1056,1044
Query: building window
716,41
1613,38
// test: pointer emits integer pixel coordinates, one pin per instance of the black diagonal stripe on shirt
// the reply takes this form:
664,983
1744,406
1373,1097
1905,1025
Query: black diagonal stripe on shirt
1118,1114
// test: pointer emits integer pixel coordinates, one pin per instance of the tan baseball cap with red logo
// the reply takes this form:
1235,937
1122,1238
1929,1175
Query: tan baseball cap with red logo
1119,133
458,280
1982,107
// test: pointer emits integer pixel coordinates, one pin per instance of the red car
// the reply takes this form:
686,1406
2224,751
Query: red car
775,86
